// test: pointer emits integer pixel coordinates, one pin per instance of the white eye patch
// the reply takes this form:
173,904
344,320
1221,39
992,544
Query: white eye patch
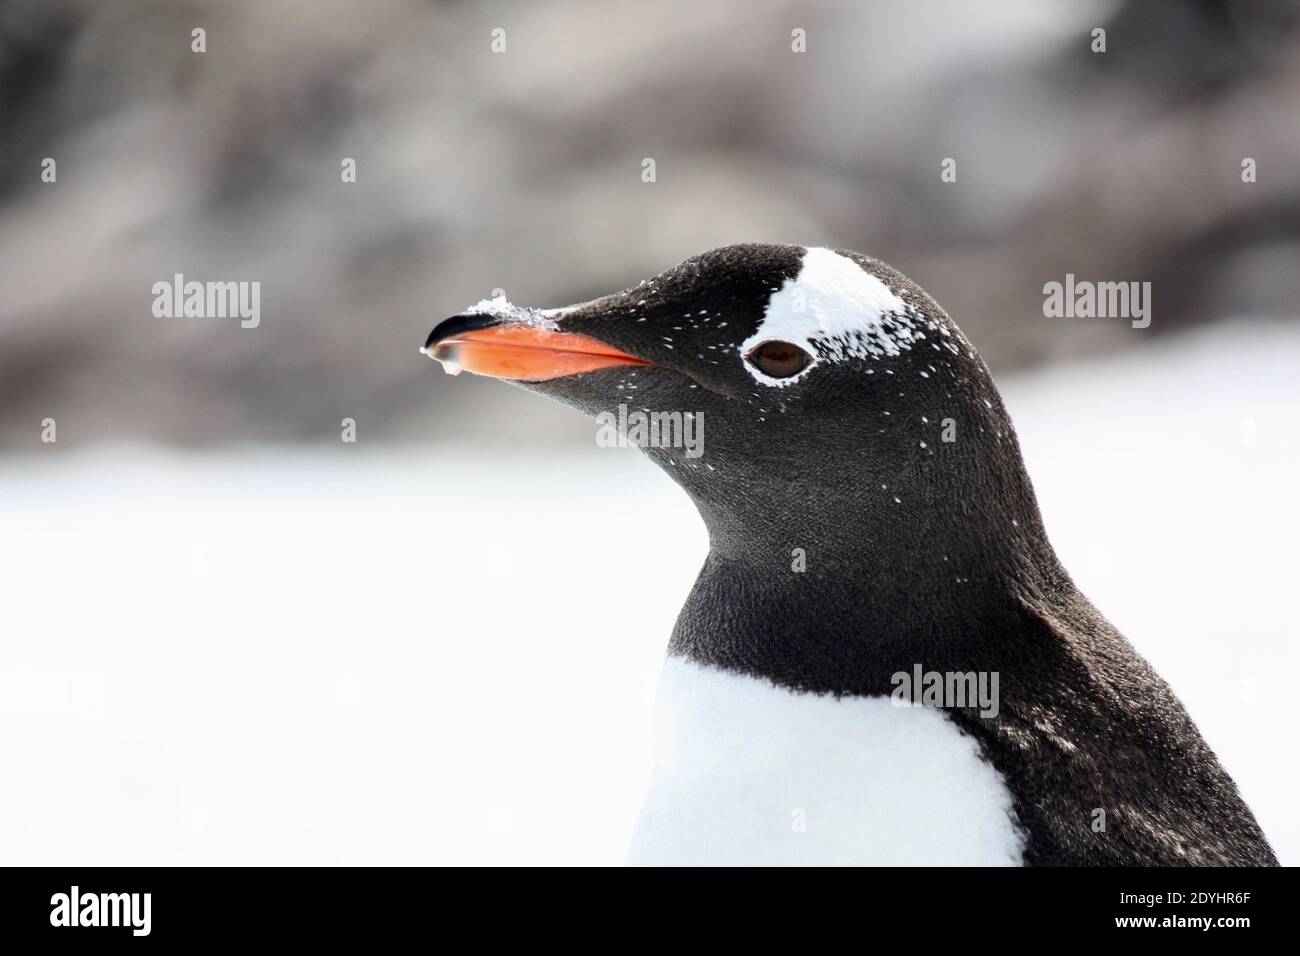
834,309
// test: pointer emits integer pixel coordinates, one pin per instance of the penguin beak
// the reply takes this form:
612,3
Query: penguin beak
486,345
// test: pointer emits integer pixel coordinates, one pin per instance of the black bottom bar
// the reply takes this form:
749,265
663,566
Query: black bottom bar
370,906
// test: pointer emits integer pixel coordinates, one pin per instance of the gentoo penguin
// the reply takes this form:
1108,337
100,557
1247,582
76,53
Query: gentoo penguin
871,526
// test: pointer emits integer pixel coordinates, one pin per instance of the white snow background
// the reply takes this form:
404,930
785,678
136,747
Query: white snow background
369,655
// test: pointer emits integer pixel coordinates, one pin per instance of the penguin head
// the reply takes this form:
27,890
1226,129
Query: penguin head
775,373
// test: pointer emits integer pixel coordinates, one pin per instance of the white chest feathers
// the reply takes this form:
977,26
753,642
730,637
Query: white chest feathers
750,773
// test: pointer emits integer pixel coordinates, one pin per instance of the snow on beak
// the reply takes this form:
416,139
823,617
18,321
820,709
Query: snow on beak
488,345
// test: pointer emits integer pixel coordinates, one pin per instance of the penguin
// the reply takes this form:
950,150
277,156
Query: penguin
882,661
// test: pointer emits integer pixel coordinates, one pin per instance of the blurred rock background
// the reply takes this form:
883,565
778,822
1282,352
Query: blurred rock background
522,170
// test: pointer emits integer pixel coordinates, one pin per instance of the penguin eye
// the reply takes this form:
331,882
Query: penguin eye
779,359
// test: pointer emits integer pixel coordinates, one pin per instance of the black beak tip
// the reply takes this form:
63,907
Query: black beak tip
458,324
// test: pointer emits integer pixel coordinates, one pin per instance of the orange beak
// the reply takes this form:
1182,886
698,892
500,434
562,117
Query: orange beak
523,353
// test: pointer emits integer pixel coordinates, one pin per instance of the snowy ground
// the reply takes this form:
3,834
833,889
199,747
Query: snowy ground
380,657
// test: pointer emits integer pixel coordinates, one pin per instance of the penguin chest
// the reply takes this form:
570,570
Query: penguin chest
750,773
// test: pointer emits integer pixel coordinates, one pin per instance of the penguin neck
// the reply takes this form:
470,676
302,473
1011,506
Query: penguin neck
809,597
